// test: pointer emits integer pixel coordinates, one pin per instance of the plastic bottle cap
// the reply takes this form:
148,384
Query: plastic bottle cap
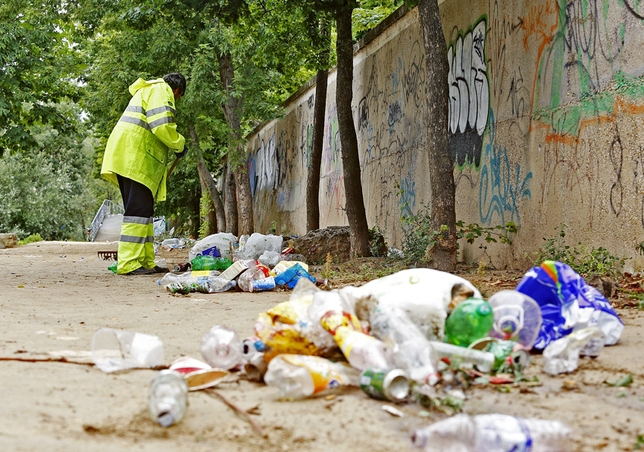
483,309
165,419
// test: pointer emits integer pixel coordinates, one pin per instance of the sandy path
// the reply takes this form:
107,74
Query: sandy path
55,295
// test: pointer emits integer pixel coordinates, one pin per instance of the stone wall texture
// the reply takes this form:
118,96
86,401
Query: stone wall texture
545,118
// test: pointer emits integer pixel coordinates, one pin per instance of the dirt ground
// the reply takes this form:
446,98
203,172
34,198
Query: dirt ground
55,295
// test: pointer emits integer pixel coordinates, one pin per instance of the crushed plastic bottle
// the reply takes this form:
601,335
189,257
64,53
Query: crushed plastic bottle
222,348
472,319
361,350
191,277
562,355
168,398
412,351
208,262
517,317
493,433
255,365
255,271
299,376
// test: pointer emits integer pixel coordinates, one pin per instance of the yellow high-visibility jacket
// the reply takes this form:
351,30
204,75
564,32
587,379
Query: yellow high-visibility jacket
138,146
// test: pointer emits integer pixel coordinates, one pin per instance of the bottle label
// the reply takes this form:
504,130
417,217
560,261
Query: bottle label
334,319
346,338
323,377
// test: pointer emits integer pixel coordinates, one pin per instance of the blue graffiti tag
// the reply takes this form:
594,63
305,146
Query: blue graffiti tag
499,190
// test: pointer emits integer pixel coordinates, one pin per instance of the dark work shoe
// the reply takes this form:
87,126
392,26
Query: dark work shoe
158,269
142,271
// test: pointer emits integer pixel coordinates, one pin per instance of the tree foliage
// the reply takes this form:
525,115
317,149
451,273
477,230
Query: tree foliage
38,69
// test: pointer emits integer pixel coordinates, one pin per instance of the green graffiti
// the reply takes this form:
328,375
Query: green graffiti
583,64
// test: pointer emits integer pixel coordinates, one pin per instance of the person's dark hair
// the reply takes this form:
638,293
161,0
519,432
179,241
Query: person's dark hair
176,80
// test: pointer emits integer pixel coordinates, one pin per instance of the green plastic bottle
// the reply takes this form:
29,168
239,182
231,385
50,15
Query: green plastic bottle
469,321
208,262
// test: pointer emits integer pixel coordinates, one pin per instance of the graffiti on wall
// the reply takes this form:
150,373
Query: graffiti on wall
586,60
390,140
469,95
501,185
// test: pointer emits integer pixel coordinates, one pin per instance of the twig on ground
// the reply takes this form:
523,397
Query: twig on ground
211,392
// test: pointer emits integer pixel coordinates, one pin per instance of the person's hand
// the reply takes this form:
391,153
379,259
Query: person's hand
182,153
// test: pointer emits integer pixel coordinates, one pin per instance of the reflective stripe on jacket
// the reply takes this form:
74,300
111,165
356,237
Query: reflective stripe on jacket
138,146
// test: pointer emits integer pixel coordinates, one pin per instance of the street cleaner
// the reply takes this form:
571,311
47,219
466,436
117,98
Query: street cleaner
135,159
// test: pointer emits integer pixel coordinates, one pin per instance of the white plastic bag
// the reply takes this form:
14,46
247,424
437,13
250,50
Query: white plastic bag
221,240
424,294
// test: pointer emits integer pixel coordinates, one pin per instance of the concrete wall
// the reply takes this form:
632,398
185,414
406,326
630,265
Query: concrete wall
546,110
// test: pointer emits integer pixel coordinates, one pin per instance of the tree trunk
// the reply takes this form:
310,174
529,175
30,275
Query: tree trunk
358,228
233,108
230,200
313,175
441,170
218,223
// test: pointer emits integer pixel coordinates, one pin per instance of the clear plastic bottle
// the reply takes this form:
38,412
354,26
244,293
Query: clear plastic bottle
412,351
493,433
472,319
361,350
219,284
517,317
168,398
253,273
484,361
222,348
192,277
299,376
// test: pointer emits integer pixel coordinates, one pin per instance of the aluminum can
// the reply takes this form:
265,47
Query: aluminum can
182,267
385,384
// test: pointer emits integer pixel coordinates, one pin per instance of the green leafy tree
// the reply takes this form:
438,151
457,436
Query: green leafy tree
46,189
39,66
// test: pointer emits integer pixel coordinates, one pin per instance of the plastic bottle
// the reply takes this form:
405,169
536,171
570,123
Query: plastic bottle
254,272
222,348
493,433
219,284
472,319
361,350
562,355
299,376
517,317
114,350
173,243
412,351
208,262
253,356
484,361
191,277
168,398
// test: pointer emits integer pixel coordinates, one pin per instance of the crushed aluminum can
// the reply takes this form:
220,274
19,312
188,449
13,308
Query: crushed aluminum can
385,384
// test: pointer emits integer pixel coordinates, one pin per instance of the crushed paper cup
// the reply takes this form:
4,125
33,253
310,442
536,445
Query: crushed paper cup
198,375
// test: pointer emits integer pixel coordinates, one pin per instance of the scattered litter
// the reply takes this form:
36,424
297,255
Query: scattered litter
393,411
114,350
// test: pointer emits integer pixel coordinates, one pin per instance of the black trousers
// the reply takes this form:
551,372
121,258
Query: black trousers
137,198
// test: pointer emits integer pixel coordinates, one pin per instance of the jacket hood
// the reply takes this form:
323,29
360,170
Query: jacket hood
140,83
